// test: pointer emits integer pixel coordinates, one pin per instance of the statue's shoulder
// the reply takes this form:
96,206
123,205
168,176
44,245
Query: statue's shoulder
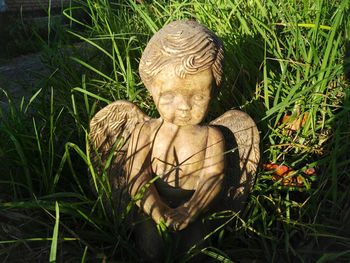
215,136
214,132
146,130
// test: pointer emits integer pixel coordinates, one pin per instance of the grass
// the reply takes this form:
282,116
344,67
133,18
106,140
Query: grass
289,58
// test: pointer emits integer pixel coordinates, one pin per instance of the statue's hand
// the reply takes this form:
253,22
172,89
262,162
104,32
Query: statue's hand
178,218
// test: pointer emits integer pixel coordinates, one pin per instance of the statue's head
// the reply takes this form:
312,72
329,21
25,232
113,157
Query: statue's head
188,46
182,66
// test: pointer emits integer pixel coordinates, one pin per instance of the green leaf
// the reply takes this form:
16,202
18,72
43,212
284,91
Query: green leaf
53,251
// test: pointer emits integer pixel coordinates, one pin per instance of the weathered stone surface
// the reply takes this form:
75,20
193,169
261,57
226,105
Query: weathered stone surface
180,165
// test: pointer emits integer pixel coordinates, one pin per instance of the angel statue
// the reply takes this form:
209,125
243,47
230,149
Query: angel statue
176,167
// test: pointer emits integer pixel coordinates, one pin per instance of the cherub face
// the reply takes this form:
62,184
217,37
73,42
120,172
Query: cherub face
182,101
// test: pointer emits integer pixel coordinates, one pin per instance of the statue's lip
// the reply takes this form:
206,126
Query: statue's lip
184,118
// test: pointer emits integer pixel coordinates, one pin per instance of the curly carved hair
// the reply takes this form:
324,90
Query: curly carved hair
189,46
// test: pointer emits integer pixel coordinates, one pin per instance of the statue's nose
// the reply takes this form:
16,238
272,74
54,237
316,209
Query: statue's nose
184,103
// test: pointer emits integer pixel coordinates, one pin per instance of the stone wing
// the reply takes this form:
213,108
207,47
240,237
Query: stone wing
110,130
242,155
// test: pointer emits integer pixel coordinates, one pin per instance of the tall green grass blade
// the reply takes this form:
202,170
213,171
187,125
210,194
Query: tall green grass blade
68,13
146,18
44,173
49,23
31,100
67,157
210,251
83,259
35,239
85,92
94,44
333,257
330,46
92,68
53,250
305,25
24,161
230,218
266,82
137,197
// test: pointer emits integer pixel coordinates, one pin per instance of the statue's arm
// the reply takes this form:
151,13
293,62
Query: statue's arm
139,173
211,179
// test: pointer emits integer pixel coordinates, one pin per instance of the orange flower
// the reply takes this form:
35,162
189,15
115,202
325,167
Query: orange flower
282,172
294,125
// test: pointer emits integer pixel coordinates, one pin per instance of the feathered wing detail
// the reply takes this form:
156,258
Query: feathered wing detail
242,155
113,125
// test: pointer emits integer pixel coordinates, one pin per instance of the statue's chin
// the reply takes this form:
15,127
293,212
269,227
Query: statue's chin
183,121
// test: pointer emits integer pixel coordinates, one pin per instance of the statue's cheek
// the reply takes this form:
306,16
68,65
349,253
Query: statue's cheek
166,111
199,110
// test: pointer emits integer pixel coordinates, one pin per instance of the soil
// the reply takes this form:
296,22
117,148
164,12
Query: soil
20,76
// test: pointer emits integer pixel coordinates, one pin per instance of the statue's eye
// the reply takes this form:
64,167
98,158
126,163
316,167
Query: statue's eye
199,97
